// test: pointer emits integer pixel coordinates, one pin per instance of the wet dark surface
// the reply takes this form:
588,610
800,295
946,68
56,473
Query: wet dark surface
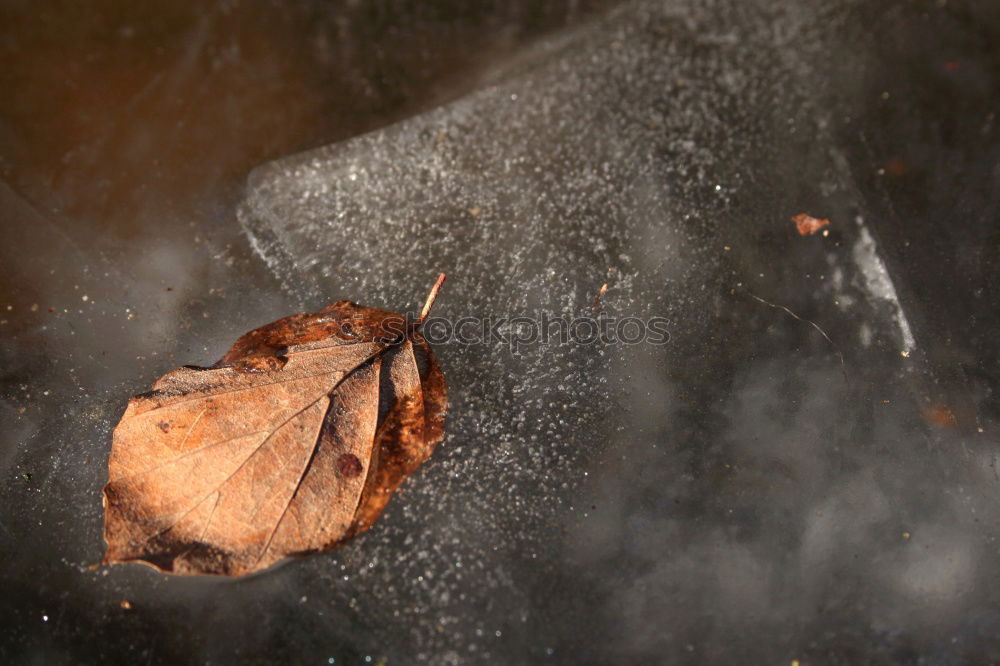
755,489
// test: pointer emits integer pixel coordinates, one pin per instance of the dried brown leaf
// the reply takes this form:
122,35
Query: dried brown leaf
279,449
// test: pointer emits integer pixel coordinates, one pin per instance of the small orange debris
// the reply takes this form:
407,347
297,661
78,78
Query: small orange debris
597,299
896,166
807,224
940,415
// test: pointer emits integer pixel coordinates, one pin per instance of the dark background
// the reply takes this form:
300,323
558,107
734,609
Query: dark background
126,135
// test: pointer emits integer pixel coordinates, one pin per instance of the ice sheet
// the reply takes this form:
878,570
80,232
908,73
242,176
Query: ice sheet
651,502
733,496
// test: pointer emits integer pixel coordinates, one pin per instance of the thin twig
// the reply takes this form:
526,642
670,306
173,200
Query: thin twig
843,365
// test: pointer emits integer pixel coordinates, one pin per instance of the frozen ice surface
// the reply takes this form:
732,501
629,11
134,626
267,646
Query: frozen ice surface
728,497
608,503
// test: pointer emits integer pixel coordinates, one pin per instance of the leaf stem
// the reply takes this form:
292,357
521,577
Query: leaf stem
431,297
